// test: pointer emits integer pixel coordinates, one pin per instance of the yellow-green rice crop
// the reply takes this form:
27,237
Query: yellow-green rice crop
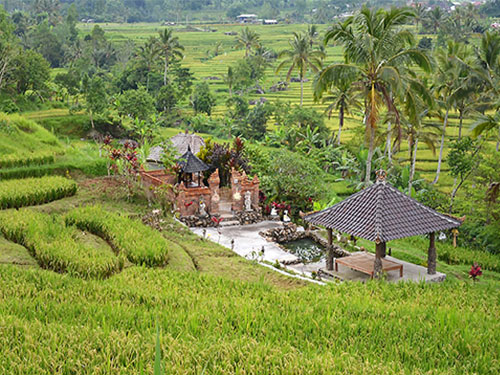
55,246
138,242
50,324
30,191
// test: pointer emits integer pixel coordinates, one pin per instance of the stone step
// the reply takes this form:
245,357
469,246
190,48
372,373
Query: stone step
229,223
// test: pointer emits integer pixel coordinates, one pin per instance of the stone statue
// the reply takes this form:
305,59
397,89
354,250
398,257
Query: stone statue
274,213
286,219
202,209
248,201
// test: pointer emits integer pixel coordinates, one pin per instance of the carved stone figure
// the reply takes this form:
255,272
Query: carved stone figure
248,201
286,219
202,209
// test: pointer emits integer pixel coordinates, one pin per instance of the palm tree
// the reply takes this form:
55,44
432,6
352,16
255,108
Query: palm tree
487,68
312,34
300,57
377,49
248,39
486,123
344,97
417,103
448,81
170,48
434,19
149,54
420,13
229,79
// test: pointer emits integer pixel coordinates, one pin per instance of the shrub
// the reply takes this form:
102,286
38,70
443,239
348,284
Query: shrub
30,191
139,243
55,246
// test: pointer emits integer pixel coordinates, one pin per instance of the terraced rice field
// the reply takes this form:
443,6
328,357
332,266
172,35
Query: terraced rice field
199,45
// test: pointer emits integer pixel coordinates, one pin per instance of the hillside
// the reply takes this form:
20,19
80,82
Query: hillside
216,312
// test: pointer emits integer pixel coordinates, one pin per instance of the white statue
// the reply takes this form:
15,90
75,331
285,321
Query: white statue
248,201
286,219
274,213
202,209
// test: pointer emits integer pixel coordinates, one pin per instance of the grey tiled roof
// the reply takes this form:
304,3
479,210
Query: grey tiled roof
181,142
190,163
382,212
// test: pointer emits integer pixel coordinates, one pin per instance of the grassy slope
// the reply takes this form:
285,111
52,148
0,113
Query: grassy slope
230,315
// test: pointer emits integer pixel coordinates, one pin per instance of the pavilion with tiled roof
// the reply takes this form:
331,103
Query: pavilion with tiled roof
381,213
190,164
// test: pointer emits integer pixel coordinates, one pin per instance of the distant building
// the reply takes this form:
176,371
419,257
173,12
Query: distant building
270,22
247,18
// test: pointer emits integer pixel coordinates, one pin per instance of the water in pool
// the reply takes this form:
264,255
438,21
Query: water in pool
306,249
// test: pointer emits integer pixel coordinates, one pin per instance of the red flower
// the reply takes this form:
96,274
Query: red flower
187,204
475,271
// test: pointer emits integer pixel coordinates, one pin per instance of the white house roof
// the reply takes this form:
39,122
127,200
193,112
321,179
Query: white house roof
247,16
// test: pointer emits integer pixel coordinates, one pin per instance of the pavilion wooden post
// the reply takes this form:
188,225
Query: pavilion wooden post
431,255
329,256
379,254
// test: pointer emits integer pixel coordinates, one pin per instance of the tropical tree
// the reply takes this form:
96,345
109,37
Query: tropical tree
420,14
312,34
170,48
487,68
247,39
229,79
300,57
343,97
434,19
487,123
148,55
378,50
96,96
449,79
417,130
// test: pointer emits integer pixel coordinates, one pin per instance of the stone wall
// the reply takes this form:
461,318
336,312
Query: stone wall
240,184
287,233
248,217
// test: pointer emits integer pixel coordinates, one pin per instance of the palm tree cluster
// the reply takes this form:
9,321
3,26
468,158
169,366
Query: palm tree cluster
408,89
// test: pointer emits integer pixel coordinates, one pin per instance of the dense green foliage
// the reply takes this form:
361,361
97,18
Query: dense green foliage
139,243
56,246
32,191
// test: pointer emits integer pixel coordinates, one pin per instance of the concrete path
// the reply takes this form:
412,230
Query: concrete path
249,244
247,241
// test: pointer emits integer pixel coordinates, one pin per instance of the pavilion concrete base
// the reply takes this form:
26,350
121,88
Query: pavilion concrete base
411,272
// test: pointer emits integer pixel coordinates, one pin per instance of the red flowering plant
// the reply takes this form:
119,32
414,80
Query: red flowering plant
475,272
123,160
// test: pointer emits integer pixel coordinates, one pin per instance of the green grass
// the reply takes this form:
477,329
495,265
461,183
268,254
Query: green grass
56,246
139,243
32,191
214,325
23,142
229,315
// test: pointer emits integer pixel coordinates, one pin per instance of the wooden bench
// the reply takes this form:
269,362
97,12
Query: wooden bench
364,262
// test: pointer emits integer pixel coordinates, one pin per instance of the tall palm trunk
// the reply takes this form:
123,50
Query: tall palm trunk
165,71
301,90
388,142
412,170
461,120
341,121
370,156
440,160
498,141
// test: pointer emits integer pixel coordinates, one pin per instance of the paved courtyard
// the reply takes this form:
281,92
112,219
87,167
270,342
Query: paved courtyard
246,242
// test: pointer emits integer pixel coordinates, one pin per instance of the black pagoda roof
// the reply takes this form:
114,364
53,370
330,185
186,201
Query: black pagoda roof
190,163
